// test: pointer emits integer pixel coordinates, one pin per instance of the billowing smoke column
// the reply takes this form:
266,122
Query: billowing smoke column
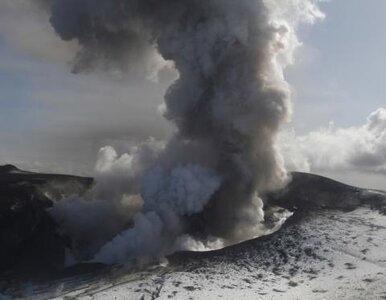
227,104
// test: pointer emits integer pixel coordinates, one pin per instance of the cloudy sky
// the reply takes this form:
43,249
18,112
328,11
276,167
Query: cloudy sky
53,120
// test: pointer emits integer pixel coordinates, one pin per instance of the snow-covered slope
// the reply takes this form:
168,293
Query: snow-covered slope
325,255
332,251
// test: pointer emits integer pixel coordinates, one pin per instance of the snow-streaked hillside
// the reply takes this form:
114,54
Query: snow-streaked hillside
331,248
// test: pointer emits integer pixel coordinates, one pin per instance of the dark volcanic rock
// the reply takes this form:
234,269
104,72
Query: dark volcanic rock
309,191
8,169
28,235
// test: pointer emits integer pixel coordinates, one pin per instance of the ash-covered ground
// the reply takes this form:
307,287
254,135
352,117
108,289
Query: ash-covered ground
331,248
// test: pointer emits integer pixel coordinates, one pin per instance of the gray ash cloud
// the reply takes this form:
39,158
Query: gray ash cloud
227,105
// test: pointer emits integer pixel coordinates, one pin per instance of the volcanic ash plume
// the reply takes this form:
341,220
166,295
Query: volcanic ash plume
227,104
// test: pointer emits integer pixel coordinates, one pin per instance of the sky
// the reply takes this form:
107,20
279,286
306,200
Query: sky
341,65
54,121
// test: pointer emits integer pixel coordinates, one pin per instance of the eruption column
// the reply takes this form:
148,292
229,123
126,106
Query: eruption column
227,104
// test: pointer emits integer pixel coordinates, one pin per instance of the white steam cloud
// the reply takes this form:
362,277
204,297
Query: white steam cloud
361,149
183,192
227,105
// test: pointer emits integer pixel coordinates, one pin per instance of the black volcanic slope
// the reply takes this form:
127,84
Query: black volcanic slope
308,191
28,236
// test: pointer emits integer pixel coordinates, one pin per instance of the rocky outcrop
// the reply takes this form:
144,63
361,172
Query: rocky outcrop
29,237
308,192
